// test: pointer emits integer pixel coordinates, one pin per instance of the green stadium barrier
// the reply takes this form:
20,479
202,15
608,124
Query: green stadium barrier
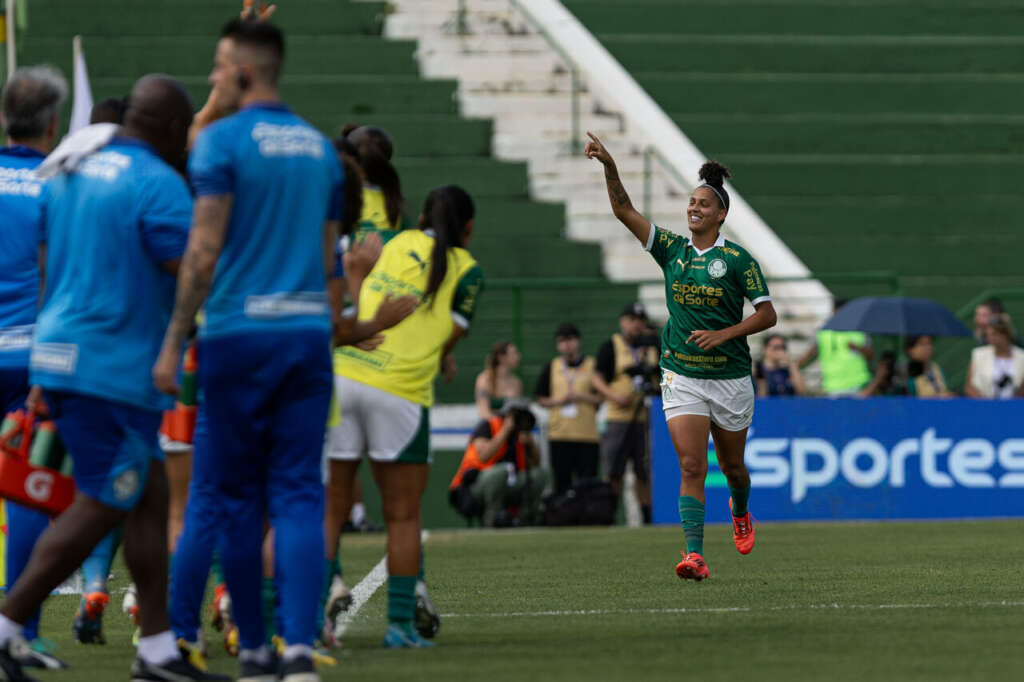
127,57
115,18
655,52
949,17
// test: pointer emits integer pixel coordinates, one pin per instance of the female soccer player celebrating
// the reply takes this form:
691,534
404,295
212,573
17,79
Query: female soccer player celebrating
705,360
384,394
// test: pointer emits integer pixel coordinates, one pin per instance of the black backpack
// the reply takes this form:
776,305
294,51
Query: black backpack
591,502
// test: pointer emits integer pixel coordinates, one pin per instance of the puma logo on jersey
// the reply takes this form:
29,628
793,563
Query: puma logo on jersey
682,265
419,261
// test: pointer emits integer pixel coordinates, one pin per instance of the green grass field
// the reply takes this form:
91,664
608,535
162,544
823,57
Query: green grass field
888,601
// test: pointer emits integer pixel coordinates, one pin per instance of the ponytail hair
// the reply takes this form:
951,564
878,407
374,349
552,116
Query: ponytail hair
372,149
380,172
714,176
446,211
498,348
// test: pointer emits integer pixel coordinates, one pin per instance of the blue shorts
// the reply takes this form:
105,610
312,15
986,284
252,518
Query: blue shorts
13,389
111,445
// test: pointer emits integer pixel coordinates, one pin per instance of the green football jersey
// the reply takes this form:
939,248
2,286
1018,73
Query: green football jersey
705,291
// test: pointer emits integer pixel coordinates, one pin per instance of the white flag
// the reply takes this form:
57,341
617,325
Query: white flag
81,107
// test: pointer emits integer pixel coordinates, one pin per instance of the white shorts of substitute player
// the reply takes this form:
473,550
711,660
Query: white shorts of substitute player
728,402
378,424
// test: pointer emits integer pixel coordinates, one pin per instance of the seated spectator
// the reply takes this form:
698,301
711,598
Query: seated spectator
987,310
500,470
982,313
566,387
497,383
996,369
775,374
886,380
924,378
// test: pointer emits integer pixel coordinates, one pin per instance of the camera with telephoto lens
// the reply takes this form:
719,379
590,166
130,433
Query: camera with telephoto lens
646,378
521,415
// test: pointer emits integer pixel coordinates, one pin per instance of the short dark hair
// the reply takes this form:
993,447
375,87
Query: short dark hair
567,330
994,305
911,341
110,110
261,35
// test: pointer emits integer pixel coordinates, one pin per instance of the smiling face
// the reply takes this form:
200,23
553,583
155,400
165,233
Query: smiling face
705,213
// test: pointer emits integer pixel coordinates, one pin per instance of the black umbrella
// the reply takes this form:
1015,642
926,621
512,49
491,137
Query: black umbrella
897,316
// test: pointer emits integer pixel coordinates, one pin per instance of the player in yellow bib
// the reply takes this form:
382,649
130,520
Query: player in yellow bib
382,202
705,361
384,394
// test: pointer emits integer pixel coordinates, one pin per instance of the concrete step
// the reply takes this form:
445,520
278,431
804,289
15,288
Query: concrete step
486,105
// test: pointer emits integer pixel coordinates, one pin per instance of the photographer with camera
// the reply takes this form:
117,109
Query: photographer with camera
566,387
500,469
627,371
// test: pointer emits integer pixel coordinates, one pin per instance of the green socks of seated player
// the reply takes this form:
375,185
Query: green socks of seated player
740,497
269,596
401,598
691,515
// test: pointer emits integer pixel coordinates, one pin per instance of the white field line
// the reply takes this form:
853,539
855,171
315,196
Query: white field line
739,609
365,589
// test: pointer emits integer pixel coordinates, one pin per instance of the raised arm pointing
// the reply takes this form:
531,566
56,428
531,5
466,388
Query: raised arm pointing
622,207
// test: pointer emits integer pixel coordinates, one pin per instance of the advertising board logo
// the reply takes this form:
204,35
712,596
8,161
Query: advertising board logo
807,463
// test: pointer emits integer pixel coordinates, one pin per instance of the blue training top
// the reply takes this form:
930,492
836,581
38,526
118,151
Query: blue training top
111,224
20,236
286,180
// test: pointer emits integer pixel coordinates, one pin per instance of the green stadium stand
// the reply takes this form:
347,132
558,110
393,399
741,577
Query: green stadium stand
869,134
340,69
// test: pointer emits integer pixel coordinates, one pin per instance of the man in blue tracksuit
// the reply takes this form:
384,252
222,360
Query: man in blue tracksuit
116,220
268,198
31,100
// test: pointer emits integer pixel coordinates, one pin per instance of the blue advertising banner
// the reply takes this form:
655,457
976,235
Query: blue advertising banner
882,458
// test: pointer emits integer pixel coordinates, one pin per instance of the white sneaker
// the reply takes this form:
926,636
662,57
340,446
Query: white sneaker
339,599
131,600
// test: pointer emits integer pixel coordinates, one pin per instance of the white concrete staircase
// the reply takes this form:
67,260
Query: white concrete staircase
507,71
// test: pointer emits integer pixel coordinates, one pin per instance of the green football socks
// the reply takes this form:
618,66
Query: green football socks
691,515
740,497
401,598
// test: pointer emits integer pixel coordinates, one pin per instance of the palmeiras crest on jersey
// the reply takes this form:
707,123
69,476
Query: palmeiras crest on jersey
717,268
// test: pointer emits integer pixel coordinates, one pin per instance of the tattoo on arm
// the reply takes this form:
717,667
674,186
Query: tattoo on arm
616,192
209,227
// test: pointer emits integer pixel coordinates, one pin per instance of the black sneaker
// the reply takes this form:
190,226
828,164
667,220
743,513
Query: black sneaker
299,669
175,670
254,671
10,668
426,617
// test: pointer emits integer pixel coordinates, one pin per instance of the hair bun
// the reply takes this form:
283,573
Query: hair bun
714,173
